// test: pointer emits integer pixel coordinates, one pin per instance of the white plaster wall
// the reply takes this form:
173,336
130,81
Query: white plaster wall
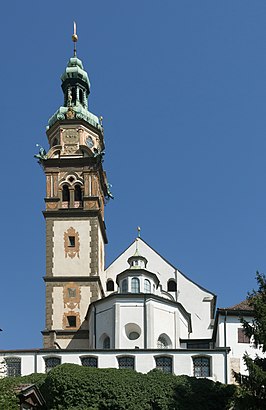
66,266
183,326
114,314
144,361
164,323
58,307
85,297
237,349
104,322
101,255
130,313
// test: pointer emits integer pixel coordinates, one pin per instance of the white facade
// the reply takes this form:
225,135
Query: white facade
154,316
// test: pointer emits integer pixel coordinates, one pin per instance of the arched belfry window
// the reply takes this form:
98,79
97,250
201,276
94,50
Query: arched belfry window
135,288
110,287
78,193
74,95
65,194
171,286
81,96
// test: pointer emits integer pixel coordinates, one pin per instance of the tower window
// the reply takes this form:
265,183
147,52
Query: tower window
81,96
13,366
135,285
71,321
171,286
71,292
110,285
74,95
71,241
78,193
65,195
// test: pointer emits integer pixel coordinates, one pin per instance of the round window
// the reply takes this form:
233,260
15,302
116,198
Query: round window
133,331
133,335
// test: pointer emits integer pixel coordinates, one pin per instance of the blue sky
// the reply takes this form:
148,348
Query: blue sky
182,89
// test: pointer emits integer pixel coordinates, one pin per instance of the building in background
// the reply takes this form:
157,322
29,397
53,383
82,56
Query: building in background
141,312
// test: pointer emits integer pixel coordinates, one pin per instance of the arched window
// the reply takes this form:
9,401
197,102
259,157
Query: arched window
171,286
164,363
110,287
147,286
126,362
124,287
164,342
81,96
106,342
78,193
13,366
135,285
89,361
51,362
201,366
65,194
74,95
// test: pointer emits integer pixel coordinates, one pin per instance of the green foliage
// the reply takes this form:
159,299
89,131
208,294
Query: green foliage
251,394
257,300
73,387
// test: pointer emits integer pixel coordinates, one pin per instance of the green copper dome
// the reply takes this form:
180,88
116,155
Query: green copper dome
76,89
75,69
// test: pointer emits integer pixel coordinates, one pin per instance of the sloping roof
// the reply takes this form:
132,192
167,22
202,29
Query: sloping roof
244,305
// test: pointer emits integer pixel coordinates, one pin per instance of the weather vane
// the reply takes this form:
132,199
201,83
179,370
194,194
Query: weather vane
75,38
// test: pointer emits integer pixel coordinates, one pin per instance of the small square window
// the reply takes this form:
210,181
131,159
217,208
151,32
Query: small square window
242,337
89,361
71,241
13,365
71,321
71,292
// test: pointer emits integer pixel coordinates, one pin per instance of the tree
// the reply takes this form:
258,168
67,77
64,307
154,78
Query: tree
252,388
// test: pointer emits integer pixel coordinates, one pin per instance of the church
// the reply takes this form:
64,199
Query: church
140,312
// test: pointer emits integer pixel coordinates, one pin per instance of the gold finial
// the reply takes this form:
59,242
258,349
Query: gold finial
139,229
75,38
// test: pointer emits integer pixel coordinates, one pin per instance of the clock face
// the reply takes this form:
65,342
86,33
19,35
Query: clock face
89,142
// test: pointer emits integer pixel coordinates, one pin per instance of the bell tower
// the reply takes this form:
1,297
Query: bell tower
76,192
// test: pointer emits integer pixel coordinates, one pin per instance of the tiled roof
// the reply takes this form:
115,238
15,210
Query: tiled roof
244,305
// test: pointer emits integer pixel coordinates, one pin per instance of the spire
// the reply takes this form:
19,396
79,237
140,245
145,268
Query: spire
75,38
